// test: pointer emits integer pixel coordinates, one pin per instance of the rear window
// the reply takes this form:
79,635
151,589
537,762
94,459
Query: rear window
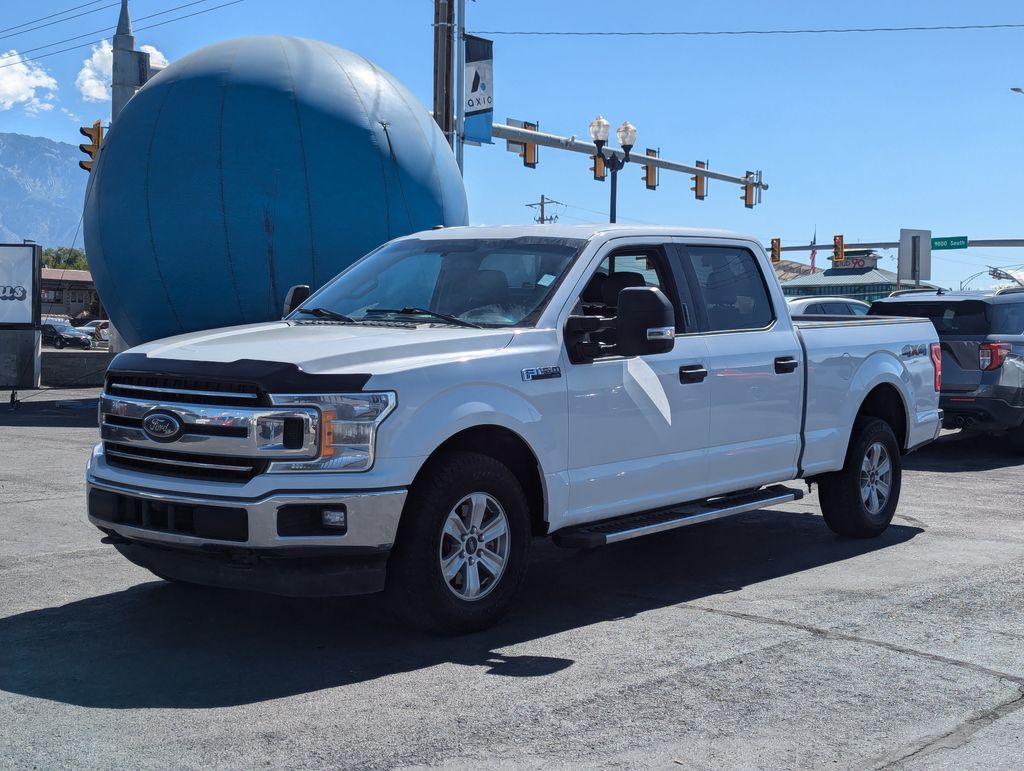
962,317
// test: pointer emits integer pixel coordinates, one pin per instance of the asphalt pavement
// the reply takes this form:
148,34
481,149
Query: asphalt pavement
762,641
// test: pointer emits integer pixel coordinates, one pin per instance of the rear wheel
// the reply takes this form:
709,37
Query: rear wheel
859,500
59,342
462,547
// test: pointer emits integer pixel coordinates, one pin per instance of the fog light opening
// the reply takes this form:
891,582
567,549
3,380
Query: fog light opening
337,519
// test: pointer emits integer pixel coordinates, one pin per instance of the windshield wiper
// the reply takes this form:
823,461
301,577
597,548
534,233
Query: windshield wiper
407,311
326,313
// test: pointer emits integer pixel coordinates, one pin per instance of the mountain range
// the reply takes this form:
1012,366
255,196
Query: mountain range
41,191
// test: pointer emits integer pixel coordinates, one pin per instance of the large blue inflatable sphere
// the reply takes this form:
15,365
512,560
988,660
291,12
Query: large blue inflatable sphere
248,167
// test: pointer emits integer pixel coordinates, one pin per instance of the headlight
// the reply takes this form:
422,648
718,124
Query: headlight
348,429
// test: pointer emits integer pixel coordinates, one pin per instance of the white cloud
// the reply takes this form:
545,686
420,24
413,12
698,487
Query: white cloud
94,78
70,114
25,83
156,58
93,81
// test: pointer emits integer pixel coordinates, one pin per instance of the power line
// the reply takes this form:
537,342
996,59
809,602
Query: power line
726,32
58,21
50,16
136,29
102,31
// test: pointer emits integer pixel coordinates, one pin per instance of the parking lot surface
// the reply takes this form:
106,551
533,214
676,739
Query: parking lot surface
759,641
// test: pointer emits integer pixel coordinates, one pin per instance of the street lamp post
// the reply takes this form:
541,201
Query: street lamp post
626,134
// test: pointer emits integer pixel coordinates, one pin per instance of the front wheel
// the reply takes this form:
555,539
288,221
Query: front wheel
462,547
860,499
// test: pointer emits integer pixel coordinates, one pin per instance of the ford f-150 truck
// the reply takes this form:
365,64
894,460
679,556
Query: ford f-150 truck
413,425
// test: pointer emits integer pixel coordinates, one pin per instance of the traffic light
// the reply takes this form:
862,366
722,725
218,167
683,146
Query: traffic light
776,250
650,176
748,191
530,148
95,133
700,184
599,169
838,249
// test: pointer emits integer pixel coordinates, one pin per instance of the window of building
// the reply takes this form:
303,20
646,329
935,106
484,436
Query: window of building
52,296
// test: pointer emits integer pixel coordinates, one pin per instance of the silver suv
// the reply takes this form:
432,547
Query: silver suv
982,338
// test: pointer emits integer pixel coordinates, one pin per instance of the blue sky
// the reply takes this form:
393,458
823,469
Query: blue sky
856,134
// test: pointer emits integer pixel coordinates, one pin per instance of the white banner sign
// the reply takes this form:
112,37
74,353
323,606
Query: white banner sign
17,284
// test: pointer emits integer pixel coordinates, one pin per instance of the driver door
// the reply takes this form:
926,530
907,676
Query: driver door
638,426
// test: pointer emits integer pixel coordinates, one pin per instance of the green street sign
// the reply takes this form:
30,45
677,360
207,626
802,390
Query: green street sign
954,242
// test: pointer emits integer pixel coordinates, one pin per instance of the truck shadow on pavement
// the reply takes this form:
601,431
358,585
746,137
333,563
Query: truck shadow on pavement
162,645
964,452
65,413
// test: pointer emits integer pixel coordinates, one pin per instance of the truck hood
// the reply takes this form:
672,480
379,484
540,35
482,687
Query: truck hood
321,348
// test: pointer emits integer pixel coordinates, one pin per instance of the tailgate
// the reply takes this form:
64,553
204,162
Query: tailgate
961,371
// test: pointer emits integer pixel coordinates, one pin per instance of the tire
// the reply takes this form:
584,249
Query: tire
59,343
846,497
478,491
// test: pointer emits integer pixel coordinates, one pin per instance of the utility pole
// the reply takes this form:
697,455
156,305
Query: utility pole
460,84
542,218
444,21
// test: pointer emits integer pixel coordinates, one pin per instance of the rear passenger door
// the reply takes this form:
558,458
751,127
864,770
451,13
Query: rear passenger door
754,365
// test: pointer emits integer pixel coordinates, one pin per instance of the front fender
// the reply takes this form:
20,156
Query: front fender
420,428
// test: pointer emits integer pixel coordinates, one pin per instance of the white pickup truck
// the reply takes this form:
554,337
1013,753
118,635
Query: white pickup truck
417,422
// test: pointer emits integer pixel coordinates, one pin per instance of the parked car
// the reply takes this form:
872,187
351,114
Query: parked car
982,338
61,334
99,330
827,306
415,423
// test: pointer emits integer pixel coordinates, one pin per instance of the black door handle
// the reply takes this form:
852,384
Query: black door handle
785,364
692,373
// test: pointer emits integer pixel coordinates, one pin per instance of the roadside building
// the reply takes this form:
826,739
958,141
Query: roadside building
69,293
857,277
787,270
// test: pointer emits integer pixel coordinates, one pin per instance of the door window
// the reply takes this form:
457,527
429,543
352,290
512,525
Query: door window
630,268
729,282
837,309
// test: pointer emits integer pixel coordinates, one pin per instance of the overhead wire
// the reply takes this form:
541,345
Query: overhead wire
102,31
136,29
727,32
50,16
57,21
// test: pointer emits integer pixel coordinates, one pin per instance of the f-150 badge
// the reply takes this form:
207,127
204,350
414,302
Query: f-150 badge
541,373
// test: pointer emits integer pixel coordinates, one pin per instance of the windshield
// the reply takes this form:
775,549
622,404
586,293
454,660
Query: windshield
494,282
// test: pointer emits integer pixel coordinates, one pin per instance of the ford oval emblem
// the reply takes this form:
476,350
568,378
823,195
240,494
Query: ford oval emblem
162,426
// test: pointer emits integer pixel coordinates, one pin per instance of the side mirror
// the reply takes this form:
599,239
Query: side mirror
645,322
297,295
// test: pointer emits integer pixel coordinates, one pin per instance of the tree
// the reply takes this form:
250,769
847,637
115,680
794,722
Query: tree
66,258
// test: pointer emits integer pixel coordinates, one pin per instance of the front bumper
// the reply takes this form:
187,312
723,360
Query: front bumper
246,543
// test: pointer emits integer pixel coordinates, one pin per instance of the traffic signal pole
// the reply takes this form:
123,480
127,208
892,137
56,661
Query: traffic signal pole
572,144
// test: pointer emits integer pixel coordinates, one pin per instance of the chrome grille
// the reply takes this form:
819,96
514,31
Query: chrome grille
217,442
184,390
183,464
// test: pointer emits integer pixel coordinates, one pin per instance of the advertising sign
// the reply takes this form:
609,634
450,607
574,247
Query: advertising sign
19,285
479,90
